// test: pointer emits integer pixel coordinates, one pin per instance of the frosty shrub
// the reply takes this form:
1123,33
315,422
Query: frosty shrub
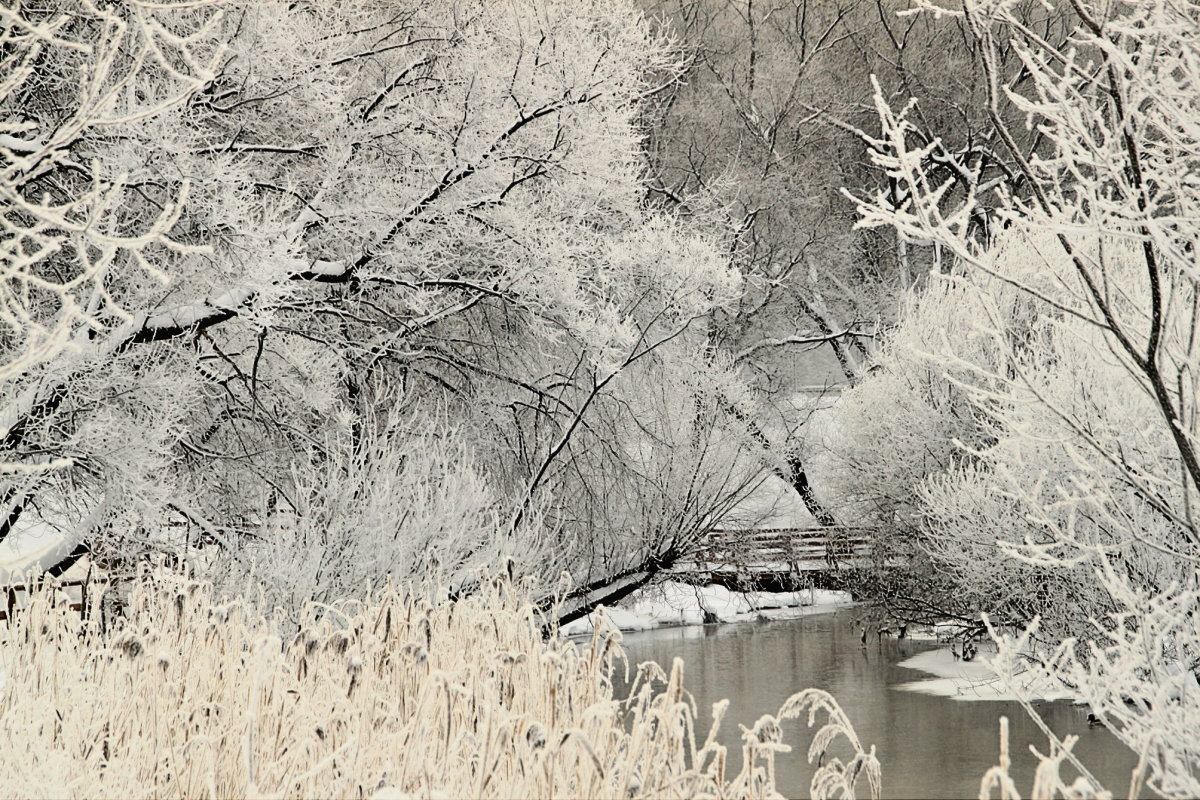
974,420
407,503
1061,492
395,696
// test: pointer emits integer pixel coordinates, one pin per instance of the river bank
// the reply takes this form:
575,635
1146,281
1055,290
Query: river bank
928,744
673,603
945,673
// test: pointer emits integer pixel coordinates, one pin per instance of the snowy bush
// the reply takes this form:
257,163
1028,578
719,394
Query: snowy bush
407,504
1066,499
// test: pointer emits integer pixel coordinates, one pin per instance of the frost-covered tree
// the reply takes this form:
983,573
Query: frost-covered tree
80,259
1049,387
69,78
386,227
767,125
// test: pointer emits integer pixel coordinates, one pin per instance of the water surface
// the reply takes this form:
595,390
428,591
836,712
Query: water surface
929,746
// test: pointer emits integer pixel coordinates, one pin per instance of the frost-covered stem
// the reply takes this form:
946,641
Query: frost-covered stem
902,262
1145,360
825,337
839,350
1149,363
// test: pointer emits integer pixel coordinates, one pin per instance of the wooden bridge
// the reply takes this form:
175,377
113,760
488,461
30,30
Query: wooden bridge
776,554
16,596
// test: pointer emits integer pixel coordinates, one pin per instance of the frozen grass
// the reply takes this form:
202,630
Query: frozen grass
184,696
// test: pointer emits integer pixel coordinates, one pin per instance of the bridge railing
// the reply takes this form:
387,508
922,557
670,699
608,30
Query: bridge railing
781,549
15,597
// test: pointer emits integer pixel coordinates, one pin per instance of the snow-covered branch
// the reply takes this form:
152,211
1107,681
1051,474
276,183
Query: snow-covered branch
811,339
1061,363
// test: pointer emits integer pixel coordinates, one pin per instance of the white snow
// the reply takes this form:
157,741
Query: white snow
33,547
674,603
974,680
192,313
12,143
941,632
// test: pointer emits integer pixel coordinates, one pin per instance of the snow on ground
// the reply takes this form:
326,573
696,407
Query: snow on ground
674,603
973,680
32,547
941,632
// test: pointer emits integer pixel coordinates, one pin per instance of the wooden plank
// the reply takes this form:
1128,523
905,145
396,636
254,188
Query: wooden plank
768,550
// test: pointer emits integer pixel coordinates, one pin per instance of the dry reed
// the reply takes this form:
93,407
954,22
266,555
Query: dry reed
394,696
1048,781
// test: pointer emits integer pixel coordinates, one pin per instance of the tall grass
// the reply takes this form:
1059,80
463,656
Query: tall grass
181,695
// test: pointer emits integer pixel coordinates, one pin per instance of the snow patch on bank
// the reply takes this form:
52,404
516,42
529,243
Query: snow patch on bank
975,680
674,603
941,632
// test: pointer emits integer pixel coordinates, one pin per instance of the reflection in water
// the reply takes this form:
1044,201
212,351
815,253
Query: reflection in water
928,746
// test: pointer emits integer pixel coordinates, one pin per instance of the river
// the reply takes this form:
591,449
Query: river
928,746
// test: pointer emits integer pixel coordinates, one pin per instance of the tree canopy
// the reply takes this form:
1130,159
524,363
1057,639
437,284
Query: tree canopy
259,250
